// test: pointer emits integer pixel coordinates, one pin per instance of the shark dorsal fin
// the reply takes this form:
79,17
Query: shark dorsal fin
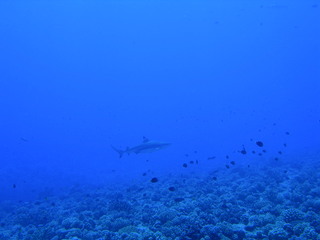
145,139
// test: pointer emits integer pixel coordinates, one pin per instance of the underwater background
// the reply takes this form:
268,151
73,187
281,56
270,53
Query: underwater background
233,86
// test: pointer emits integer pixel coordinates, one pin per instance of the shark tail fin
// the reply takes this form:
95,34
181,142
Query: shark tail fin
121,152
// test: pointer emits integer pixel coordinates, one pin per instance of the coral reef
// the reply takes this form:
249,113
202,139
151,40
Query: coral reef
266,204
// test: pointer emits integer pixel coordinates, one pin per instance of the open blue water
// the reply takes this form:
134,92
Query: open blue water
233,86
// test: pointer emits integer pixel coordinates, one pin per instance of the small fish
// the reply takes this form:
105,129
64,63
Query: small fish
227,156
144,174
184,165
227,166
260,154
243,151
285,145
233,163
254,152
14,185
264,150
211,158
197,162
172,189
248,166
259,143
186,155
214,178
280,152
276,159
154,180
287,133
191,162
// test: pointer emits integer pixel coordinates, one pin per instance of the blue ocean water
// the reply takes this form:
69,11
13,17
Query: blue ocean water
233,86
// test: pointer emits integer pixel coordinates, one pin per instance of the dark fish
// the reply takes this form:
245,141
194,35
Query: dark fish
233,162
243,151
211,158
260,154
214,178
24,139
259,143
276,158
191,162
14,185
195,151
285,145
280,152
186,155
179,199
184,165
197,162
285,171
264,150
227,166
287,133
227,156
144,174
248,166
154,180
254,152
172,189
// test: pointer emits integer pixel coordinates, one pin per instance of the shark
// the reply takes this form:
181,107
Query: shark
146,146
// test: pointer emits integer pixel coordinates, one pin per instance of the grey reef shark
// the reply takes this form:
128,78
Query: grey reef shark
146,146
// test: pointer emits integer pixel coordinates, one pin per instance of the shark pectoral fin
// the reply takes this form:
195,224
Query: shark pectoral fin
118,151
128,150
